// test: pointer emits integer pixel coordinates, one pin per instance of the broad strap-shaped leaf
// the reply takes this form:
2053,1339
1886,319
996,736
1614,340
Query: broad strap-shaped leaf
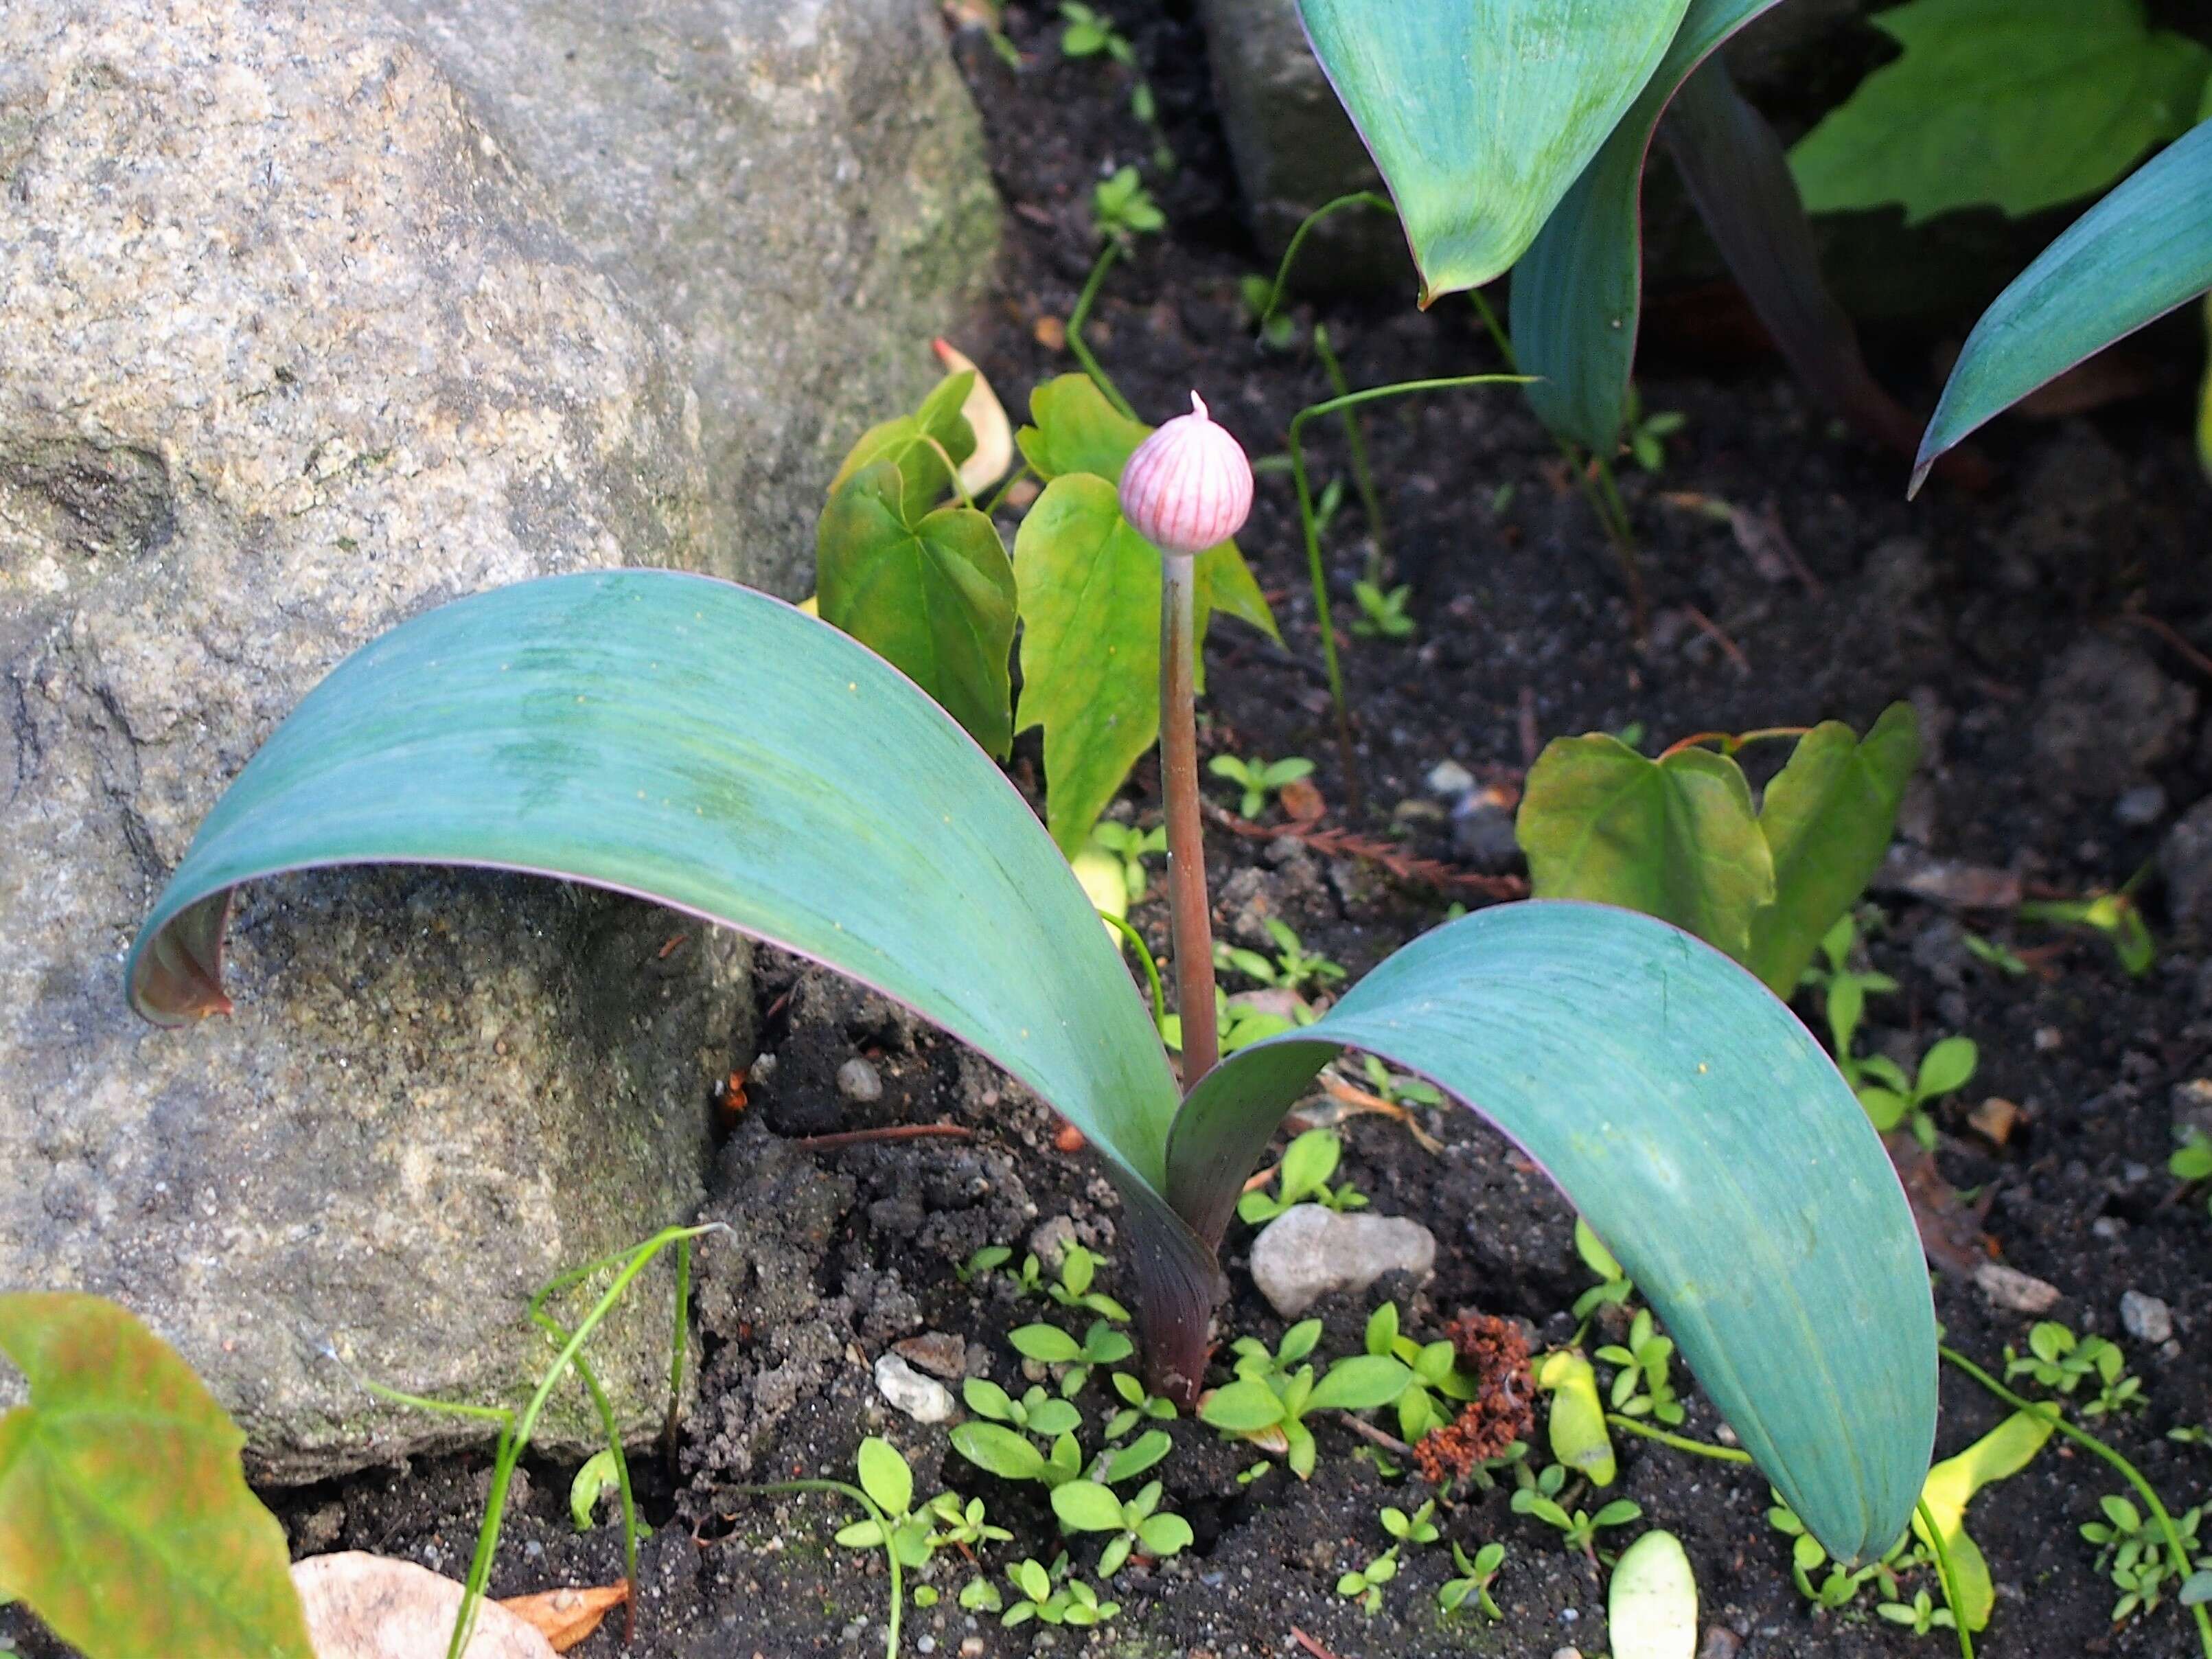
710,748
1827,817
1480,113
935,595
2142,250
1707,1138
2021,104
1675,838
1577,292
126,1520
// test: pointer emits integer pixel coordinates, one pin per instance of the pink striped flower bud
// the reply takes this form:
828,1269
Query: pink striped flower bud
1188,487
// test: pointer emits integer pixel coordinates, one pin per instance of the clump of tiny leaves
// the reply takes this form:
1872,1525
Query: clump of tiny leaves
1545,1497
2134,1553
1051,1596
1641,1388
1274,1391
1433,1370
1474,1577
1049,1344
1364,1584
1138,1524
1260,780
2058,1360
1308,1162
1292,967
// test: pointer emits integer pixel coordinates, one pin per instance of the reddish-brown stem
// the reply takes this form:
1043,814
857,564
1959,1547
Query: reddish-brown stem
831,1143
1191,927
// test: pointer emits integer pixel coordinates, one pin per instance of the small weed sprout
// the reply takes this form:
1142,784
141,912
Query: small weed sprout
1129,847
2058,1360
1268,1402
1278,330
1540,1496
1365,1586
1137,1408
1433,1371
2191,1161
1397,1088
1049,1344
980,1595
2135,1556
1474,1582
1614,1287
1121,208
1036,1412
1641,1388
1418,1528
1840,1586
984,1262
1042,1597
1077,1268
1648,434
884,1476
1920,1615
1293,968
1137,1524
2115,916
962,1526
1844,990
1381,611
1259,779
1891,1097
1308,1162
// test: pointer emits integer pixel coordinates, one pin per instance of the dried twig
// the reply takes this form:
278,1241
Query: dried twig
1360,1100
1342,843
1309,1645
2166,630
894,1132
1389,1443
1713,631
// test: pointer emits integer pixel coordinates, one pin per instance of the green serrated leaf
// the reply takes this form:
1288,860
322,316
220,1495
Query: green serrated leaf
125,1522
933,596
2023,104
1827,818
1675,839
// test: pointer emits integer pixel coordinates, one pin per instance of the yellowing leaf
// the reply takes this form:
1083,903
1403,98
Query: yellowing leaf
1577,1430
125,1522
987,419
1651,1606
2005,1451
566,1618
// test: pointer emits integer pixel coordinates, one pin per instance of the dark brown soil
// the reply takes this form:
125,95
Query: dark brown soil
1966,604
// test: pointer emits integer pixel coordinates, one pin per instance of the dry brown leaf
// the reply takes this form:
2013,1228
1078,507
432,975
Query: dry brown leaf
987,418
361,1605
1995,1118
565,1617
1301,802
1051,333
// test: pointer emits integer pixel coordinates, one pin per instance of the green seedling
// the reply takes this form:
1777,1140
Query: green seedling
1268,1405
1416,1529
983,1263
1473,1584
1119,1464
1037,1413
962,1525
1042,1596
1432,1369
1293,968
598,1478
1844,990
1278,330
1121,208
887,1479
2191,1161
1891,1097
1079,1269
2134,1554
1049,1344
1130,846
1136,1524
1008,1452
980,1595
1647,435
2057,1360
1308,1162
1088,34
1398,1088
1992,954
2115,917
1540,1496
1245,1019
1920,1615
1365,1584
1614,1287
1259,779
1641,1388
1138,1407
1382,612
1839,1586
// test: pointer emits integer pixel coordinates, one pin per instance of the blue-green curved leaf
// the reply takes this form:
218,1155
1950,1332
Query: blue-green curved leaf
1707,1140
1577,292
713,749
1480,113
2144,250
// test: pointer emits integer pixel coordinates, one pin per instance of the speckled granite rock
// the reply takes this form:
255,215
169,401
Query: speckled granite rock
314,318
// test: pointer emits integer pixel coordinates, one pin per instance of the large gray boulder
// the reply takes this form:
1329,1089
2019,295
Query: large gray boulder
318,315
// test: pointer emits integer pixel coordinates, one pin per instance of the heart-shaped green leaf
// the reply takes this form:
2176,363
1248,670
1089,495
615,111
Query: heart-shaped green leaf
1717,1151
125,1522
1577,294
2142,250
934,596
1827,817
1675,838
1481,113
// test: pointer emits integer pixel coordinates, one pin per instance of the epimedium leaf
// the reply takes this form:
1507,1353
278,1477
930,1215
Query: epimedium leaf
1675,838
706,746
934,596
126,1520
2142,250
1709,1140
1090,647
1481,113
912,442
1827,817
1576,293
2022,104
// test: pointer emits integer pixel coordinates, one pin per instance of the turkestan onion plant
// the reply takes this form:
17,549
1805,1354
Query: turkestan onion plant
715,749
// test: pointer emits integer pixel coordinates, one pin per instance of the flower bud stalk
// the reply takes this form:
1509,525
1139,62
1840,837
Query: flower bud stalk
1190,921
